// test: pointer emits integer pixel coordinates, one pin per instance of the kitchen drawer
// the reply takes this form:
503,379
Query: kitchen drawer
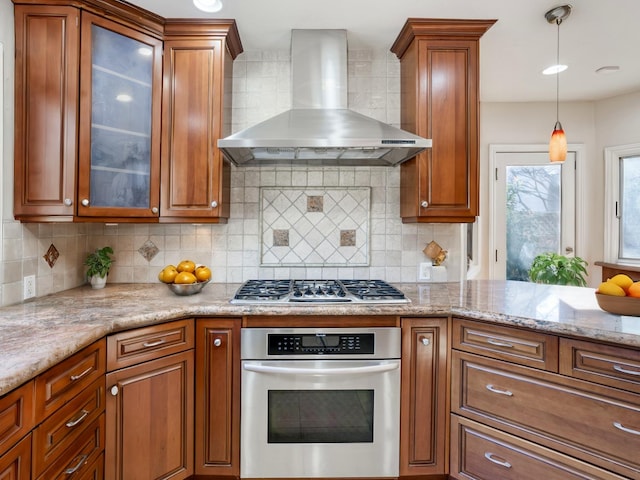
63,427
597,424
79,458
142,344
479,452
16,415
524,347
61,383
607,364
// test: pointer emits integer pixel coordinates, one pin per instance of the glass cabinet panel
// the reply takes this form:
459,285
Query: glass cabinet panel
121,155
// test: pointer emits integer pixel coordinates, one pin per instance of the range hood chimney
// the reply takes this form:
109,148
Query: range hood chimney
320,130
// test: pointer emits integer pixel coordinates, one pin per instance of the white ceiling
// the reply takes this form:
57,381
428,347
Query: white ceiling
513,52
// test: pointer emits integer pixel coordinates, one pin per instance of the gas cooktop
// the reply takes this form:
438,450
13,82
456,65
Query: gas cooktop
318,291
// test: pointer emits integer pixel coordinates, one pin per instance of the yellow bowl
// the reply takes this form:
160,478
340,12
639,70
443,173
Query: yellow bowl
186,288
619,305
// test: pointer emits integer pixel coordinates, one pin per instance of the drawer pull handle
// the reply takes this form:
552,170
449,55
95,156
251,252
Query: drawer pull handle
498,343
497,460
620,369
81,462
153,344
619,426
493,389
73,423
78,377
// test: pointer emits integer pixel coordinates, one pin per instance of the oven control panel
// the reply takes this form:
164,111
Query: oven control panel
321,343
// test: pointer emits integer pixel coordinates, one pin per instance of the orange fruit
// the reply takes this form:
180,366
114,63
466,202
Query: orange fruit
622,280
634,290
186,266
610,288
203,273
168,274
185,277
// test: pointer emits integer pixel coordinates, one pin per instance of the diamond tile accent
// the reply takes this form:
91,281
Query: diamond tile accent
326,226
51,256
148,250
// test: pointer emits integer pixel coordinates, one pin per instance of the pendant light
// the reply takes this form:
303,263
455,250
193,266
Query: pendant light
558,142
208,5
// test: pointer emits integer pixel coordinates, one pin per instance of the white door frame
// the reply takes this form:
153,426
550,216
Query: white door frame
494,149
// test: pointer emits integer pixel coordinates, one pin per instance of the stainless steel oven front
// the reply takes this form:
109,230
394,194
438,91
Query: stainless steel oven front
320,402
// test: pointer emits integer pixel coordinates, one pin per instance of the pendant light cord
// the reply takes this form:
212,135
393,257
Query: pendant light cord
558,22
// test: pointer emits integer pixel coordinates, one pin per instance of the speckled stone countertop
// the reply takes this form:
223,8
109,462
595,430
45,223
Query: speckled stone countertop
38,334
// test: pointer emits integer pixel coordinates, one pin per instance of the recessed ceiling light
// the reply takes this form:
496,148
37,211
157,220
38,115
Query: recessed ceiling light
608,69
208,5
553,69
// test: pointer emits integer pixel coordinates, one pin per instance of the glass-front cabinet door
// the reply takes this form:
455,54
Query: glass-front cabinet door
120,100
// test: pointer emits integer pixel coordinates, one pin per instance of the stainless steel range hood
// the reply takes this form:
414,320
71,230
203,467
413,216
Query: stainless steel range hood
320,130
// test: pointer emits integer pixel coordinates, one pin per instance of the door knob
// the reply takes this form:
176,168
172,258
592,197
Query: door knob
424,204
85,202
214,204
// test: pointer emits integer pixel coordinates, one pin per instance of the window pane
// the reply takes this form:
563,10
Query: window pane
630,212
533,215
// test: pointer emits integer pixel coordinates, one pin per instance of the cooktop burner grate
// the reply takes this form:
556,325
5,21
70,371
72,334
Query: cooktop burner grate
318,291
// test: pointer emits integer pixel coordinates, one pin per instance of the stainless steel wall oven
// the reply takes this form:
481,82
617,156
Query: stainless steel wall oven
320,402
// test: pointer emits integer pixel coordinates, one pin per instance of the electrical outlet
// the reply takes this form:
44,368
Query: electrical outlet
424,271
29,287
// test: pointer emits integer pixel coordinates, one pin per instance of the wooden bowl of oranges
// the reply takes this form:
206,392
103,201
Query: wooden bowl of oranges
186,278
619,295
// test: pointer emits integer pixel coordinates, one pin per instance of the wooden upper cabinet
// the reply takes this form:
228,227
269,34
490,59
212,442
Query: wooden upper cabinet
46,104
120,103
90,120
439,65
198,67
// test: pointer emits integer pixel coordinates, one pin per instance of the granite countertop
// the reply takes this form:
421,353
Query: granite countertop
39,333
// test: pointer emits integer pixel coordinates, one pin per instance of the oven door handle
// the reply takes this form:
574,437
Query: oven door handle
385,367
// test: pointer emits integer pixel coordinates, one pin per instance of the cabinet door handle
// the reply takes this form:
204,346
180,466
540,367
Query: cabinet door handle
153,344
81,461
499,343
217,342
73,423
154,210
497,460
85,202
425,341
78,377
620,369
499,391
424,204
68,202
619,426
114,390
214,204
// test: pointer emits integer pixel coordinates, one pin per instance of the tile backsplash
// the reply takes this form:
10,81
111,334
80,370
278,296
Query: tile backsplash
369,242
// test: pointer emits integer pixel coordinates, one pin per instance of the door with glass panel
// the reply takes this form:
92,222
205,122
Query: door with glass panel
533,210
120,100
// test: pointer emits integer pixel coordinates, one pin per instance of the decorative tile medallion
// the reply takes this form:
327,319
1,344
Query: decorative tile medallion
51,256
148,250
321,226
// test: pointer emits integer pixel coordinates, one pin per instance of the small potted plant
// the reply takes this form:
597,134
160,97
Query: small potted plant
556,269
99,263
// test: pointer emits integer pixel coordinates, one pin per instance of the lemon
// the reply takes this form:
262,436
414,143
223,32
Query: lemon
168,274
610,288
622,280
203,273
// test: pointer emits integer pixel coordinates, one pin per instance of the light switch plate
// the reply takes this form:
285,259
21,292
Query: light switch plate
424,272
29,287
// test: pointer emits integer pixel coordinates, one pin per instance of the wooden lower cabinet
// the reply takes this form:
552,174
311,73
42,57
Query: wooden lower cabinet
16,463
217,397
479,452
424,399
149,410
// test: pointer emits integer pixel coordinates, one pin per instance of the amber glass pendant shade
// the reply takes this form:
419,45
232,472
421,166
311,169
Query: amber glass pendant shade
558,144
